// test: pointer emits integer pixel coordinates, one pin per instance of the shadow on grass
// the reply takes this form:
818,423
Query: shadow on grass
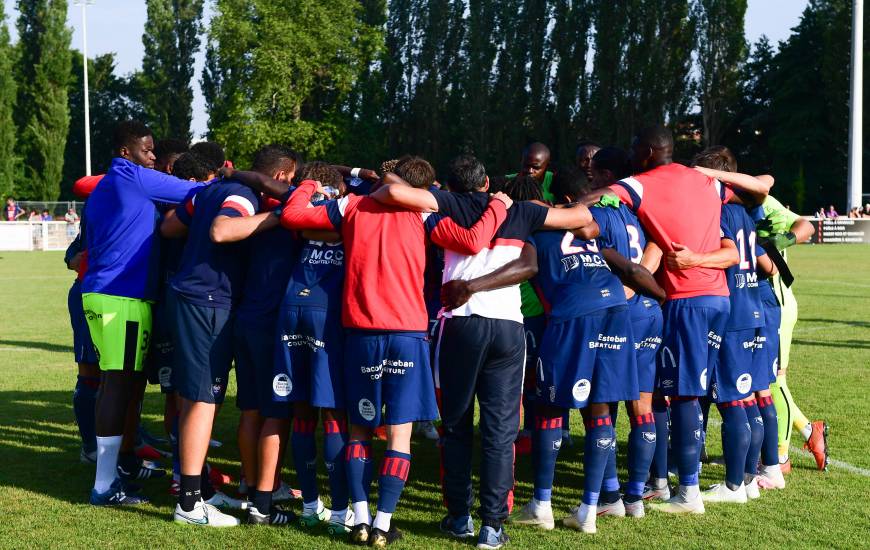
849,344
44,346
858,324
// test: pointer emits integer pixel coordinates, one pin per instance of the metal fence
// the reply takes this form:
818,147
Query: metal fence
56,209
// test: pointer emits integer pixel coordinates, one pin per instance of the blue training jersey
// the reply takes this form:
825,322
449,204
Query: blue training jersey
318,277
123,251
622,231
746,307
272,256
573,276
211,274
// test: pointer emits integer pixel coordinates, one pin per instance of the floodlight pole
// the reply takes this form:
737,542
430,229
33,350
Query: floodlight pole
856,145
84,4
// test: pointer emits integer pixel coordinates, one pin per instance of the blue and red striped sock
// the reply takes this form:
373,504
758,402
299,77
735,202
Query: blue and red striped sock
599,439
610,484
756,425
546,442
334,440
305,457
736,438
641,450
394,473
770,444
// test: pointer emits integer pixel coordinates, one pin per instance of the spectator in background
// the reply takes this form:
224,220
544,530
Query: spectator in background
34,216
820,213
854,213
71,217
46,217
867,210
13,212
832,213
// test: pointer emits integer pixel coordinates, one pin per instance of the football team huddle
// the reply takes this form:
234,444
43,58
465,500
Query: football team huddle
373,301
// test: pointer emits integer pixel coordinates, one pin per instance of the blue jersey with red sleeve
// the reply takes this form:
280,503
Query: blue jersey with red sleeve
573,277
271,257
210,274
123,251
746,307
318,276
622,231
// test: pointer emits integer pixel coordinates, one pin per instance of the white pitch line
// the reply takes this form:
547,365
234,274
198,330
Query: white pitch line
837,283
839,464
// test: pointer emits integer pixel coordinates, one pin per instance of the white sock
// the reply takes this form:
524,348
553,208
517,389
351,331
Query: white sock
311,507
107,462
541,506
659,482
382,521
338,516
361,511
587,511
771,471
689,492
807,431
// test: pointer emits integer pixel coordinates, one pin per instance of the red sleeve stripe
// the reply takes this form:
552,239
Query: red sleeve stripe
240,204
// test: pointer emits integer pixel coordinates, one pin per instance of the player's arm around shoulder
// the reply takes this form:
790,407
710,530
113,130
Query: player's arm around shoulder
299,214
575,216
397,192
446,233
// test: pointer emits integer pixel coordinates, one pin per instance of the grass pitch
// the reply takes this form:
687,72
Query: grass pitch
44,488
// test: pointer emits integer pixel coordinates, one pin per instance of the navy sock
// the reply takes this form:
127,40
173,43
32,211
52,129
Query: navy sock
358,465
736,437
190,492
770,444
687,430
394,474
659,466
334,440
566,420
641,449
207,490
610,483
756,424
598,441
546,442
261,500
528,411
173,441
84,402
305,457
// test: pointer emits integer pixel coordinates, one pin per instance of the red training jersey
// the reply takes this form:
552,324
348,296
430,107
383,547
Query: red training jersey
85,185
385,253
677,204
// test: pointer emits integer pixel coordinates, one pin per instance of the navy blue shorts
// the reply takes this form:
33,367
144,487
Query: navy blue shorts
309,355
589,359
646,326
691,340
388,370
734,377
158,364
254,350
83,346
202,362
769,338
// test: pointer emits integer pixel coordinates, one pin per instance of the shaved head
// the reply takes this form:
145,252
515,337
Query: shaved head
652,147
536,159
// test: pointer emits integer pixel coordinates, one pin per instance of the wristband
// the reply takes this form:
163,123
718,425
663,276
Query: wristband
354,172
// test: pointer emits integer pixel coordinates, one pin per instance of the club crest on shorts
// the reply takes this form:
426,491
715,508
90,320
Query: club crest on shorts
744,382
281,385
366,409
581,390
703,379
649,437
698,435
164,376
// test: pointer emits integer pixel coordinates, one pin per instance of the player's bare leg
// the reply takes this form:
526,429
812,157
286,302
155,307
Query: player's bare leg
250,425
273,436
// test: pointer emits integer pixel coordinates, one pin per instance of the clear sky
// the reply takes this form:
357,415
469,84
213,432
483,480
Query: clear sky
116,26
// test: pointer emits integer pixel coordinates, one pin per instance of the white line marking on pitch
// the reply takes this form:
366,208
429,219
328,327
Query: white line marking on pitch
838,283
839,464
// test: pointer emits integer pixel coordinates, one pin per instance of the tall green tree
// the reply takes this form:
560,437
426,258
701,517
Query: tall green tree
112,98
171,40
42,114
721,51
282,71
7,106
